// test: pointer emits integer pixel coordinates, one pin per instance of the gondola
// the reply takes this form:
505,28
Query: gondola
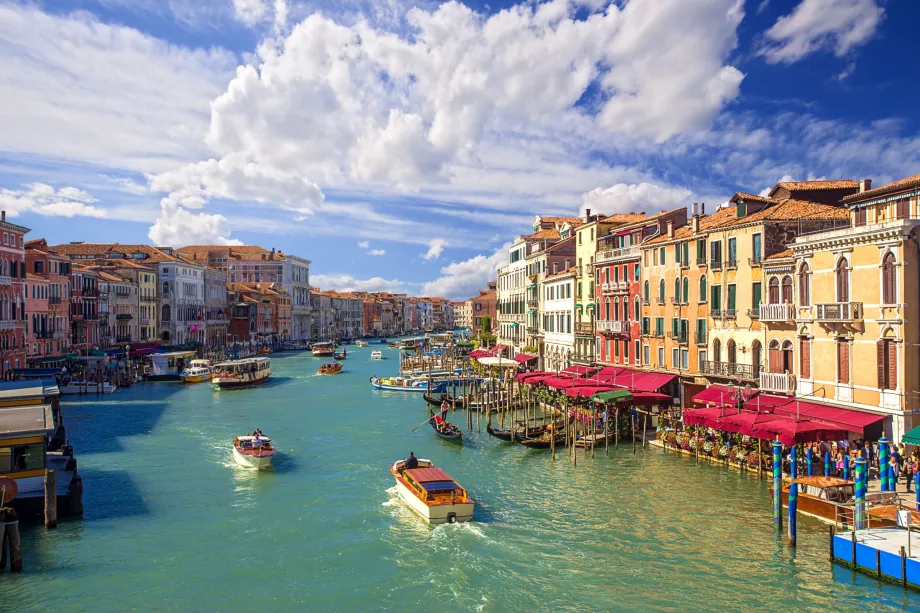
339,356
449,431
454,403
543,442
498,433
530,433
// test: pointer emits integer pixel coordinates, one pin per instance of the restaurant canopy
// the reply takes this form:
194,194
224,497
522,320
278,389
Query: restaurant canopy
616,395
764,425
912,437
587,391
578,371
533,377
648,382
523,358
501,362
723,395
478,353
844,419
561,383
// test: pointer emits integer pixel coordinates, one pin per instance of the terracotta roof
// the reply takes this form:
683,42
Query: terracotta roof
624,218
559,245
568,220
551,233
34,277
787,253
485,295
815,185
891,187
791,210
102,250
570,270
105,275
707,222
752,198
244,252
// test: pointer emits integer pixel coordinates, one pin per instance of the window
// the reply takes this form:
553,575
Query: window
887,364
701,331
716,301
646,325
661,291
636,272
625,350
843,361
901,207
616,349
645,294
804,285
661,258
715,253
731,297
732,351
637,309
787,290
645,354
677,289
675,358
773,291
843,281
889,291
659,326
661,357
703,292
21,458
755,295
860,217
732,252
717,350
686,291
804,358
701,250
756,248
701,356
637,352
684,359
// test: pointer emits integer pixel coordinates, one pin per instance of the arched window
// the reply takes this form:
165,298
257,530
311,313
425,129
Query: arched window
773,291
716,350
677,289
787,290
686,291
616,309
889,287
732,351
646,294
607,309
804,285
775,359
661,291
756,354
165,288
787,357
704,296
843,281
637,311
167,313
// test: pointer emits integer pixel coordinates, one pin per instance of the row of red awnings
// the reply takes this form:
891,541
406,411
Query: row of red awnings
488,353
767,416
584,381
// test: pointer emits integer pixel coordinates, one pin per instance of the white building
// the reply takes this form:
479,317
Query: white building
348,315
425,315
512,287
296,280
557,321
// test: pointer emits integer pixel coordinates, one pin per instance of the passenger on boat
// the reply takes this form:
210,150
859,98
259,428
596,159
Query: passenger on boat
411,461
256,440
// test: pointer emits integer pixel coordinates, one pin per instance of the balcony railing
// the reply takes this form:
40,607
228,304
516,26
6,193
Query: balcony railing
582,327
699,338
611,327
731,370
677,301
581,358
777,312
6,280
731,264
755,261
533,302
753,313
839,311
54,300
715,264
783,383
124,316
617,254
660,300
608,288
533,330
701,261
59,334
145,321
123,339
680,337
8,324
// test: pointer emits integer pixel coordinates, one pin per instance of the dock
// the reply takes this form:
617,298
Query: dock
888,554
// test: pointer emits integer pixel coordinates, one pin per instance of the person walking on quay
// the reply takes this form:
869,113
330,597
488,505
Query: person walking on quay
895,463
910,469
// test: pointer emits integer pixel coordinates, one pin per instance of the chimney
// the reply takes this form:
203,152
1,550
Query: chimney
695,209
587,215
273,253
695,223
703,208
670,229
864,186
2,215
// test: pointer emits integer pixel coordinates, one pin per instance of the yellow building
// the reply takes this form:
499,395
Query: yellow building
855,339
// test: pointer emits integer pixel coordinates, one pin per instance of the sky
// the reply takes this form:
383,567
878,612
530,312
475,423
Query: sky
402,145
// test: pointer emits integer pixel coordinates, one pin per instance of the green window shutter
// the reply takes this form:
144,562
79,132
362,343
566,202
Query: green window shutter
686,292
687,253
757,293
731,297
704,294
714,303
677,252
661,258
674,325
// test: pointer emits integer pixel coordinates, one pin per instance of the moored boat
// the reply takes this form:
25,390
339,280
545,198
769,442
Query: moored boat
376,354
242,373
831,499
399,384
198,372
330,368
253,451
445,429
432,493
438,401
393,345
361,343
505,435
322,350
86,387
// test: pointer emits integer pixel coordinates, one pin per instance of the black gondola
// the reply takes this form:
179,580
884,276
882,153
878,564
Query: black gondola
504,435
340,356
447,431
435,401
543,442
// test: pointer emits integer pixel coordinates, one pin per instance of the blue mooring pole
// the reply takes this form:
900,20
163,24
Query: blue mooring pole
859,512
917,489
883,473
793,494
827,463
778,485
846,466
810,460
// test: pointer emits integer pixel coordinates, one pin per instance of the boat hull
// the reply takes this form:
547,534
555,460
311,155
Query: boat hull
249,461
438,513
92,388
234,383
196,378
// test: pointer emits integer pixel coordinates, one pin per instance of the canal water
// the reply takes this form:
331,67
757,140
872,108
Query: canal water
172,525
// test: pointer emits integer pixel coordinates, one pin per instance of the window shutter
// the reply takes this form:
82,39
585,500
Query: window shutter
902,208
757,297
892,365
805,356
774,360
880,357
843,361
731,297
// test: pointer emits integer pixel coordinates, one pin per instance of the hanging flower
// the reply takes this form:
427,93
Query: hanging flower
724,450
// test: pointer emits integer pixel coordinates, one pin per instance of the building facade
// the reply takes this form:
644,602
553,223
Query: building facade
558,319
12,295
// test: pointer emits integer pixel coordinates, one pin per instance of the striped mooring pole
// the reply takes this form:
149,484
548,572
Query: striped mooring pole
793,493
859,511
811,462
846,466
827,463
917,489
883,472
778,485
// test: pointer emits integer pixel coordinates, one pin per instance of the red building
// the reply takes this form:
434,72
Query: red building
12,291
84,310
617,283
47,303
483,305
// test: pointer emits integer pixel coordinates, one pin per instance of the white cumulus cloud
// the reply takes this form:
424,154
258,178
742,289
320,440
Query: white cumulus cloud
435,248
377,252
345,283
816,25
178,226
626,198
462,280
46,200
363,244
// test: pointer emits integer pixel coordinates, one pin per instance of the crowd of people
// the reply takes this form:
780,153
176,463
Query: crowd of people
843,454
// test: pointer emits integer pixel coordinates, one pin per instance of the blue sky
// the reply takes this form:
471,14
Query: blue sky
401,145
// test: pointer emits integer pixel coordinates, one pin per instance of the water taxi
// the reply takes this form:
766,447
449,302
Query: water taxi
169,366
253,452
331,368
376,354
198,372
400,384
322,350
361,343
432,493
242,373
393,345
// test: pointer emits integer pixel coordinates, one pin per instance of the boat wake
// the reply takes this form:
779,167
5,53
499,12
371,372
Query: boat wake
447,531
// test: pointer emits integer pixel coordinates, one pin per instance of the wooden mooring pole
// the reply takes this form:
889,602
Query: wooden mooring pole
51,513
12,540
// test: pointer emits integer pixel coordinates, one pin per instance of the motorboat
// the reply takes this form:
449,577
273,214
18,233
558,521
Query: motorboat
400,384
253,451
323,350
169,366
330,368
361,343
86,387
242,373
198,372
376,354
393,345
432,493
832,498
340,355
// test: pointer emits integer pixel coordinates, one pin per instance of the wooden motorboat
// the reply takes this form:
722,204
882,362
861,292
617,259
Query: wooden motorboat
340,355
828,498
445,429
86,387
432,493
236,374
198,372
253,452
438,401
323,350
383,341
393,345
330,368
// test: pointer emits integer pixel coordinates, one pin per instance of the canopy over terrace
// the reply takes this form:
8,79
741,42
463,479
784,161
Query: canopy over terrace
523,358
500,362
577,371
724,395
764,425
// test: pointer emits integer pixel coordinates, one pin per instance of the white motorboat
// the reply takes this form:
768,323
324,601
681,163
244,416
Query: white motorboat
198,372
86,387
253,452
400,384
242,373
361,343
376,354
432,493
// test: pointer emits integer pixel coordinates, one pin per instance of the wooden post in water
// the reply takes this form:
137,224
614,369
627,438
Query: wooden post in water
645,431
634,419
50,499
8,517
593,428
606,430
616,427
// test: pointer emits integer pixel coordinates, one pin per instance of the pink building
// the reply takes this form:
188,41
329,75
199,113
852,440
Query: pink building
47,304
12,303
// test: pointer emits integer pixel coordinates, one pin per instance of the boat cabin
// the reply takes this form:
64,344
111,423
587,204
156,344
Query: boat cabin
831,489
170,364
36,393
433,485
245,366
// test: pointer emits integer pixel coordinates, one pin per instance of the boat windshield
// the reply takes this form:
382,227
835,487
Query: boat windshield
840,494
433,487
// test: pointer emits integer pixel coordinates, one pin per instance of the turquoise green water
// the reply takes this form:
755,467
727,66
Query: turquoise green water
172,525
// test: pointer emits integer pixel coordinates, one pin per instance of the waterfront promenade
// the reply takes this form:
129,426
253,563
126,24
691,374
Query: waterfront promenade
172,525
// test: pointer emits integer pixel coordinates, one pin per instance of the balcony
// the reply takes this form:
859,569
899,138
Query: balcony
679,337
43,334
715,265
607,288
660,300
730,370
753,313
90,292
533,330
839,312
701,262
783,383
612,327
145,321
533,302
124,316
777,312
755,261
59,334
584,328
53,300
731,264
677,301
5,280
8,324
123,339
622,253
699,338
580,358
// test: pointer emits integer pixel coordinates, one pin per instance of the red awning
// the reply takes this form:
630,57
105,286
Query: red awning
422,475
844,419
523,358
790,431
650,398
766,402
478,353
561,383
720,395
497,349
528,377
647,382
703,417
578,371
587,390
